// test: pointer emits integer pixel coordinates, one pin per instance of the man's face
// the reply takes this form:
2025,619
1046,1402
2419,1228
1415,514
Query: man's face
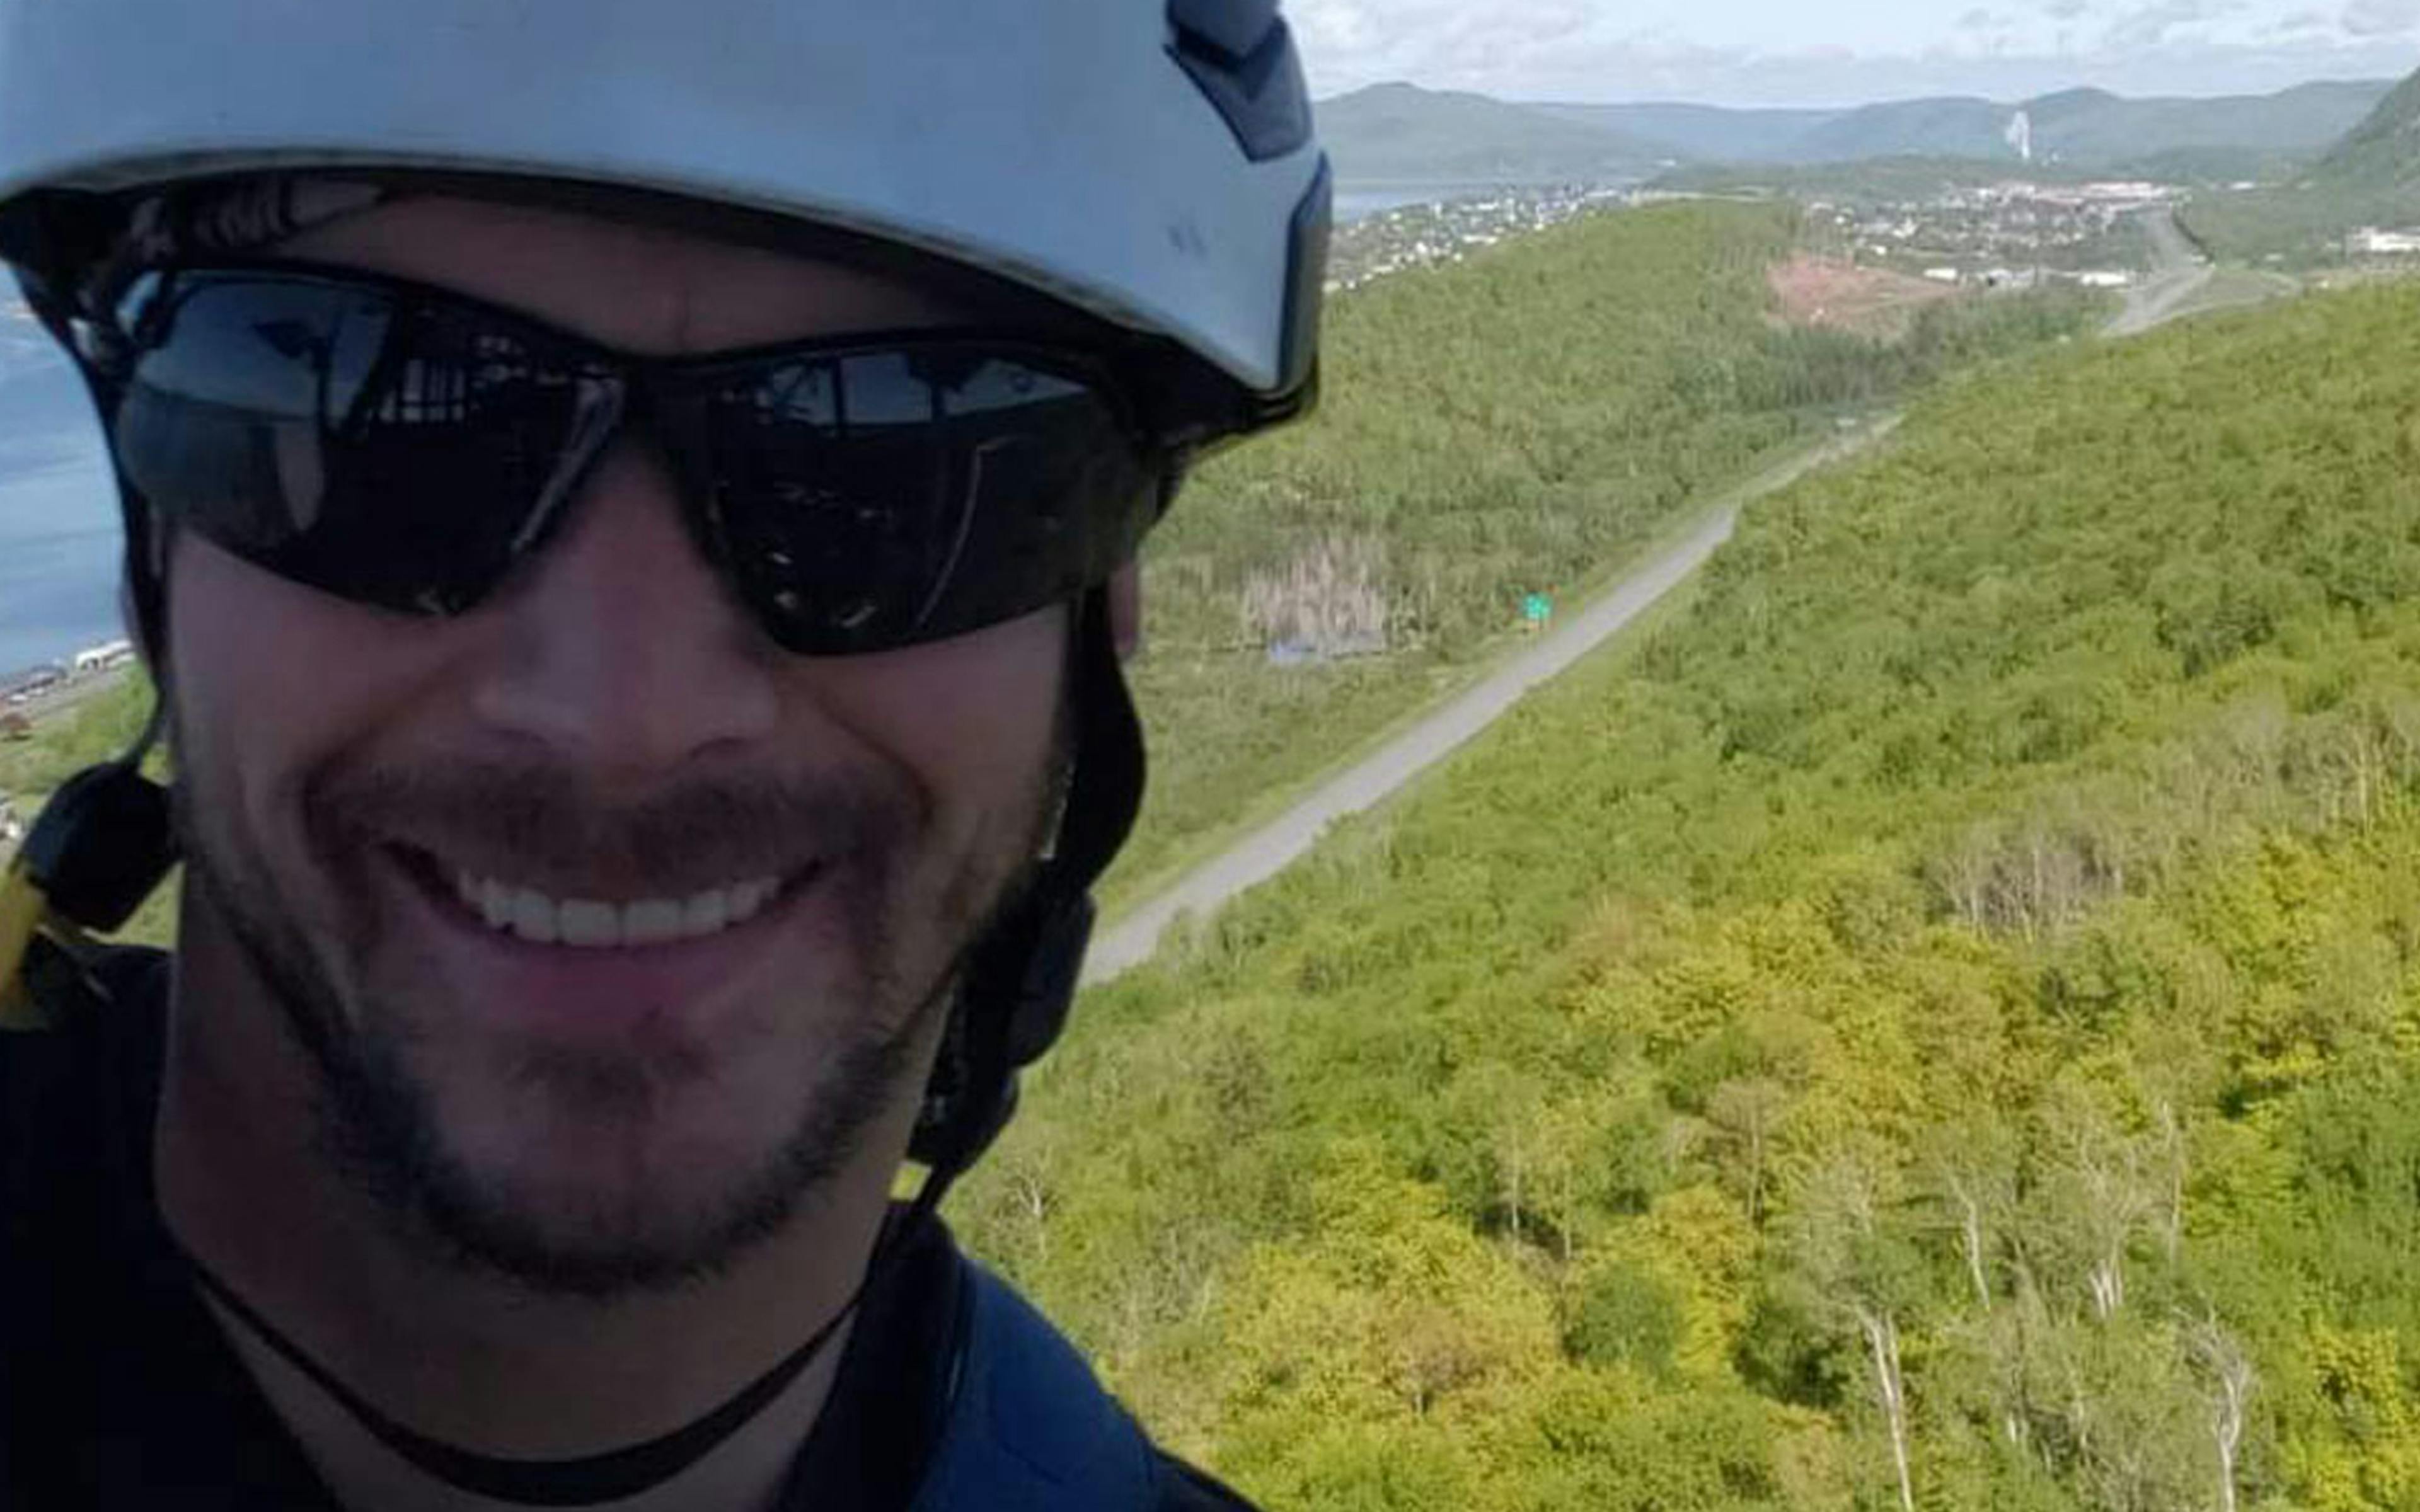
416,833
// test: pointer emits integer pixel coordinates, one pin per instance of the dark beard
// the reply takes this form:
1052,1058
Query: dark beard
380,1123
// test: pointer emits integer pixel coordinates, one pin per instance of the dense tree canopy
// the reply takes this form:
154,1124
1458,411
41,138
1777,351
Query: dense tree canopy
1934,1023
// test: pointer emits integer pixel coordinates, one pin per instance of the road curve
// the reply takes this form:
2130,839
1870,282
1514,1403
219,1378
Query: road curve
2178,273
1261,854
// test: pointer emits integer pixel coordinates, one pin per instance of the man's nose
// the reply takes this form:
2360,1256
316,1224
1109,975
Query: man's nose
621,652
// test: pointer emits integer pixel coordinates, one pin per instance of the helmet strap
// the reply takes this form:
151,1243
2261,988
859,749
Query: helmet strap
1021,978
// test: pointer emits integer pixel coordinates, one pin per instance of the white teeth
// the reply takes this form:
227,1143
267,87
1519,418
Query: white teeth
589,924
749,897
534,918
706,914
652,922
583,922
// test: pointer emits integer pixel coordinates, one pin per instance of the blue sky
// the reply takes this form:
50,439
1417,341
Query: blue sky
1838,51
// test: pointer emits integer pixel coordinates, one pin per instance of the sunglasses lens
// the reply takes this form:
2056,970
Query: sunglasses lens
874,499
343,436
404,450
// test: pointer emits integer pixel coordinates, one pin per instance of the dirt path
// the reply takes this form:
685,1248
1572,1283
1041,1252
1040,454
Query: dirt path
1267,851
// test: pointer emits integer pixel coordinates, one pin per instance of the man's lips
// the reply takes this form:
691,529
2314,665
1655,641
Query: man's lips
594,917
670,990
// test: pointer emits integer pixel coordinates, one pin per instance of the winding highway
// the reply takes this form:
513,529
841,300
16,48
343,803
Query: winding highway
2178,273
1261,854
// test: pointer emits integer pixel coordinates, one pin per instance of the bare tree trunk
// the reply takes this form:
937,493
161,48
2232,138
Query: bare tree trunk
2230,1373
2108,1282
1970,1228
1882,1337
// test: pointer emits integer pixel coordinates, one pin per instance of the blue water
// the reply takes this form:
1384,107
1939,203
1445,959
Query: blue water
1355,201
1352,203
58,514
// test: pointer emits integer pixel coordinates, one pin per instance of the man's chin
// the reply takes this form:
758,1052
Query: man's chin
590,1172
595,1169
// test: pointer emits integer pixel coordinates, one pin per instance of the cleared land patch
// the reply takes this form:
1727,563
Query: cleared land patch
1824,293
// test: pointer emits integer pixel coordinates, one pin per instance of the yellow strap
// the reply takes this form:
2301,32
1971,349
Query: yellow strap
22,906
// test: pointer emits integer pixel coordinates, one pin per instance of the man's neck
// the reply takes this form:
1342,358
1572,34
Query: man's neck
459,1356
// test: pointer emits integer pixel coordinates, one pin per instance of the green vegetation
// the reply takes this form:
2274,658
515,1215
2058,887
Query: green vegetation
1936,1022
95,730
1880,181
1418,134
1523,421
1402,134
2369,177
2293,225
2377,154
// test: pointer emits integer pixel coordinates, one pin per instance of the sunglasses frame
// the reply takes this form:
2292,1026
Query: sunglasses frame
665,396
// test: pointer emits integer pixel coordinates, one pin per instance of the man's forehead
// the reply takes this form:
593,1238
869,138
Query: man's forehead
637,288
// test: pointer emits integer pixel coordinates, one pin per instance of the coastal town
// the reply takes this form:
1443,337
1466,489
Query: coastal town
34,690
1452,226
2009,235
2005,235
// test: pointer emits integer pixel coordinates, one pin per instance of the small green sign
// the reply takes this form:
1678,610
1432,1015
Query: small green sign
1536,608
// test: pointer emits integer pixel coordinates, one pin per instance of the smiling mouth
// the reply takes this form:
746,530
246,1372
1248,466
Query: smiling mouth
526,912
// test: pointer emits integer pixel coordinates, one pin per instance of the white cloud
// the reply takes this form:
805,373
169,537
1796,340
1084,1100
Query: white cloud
2154,25
2380,18
1789,51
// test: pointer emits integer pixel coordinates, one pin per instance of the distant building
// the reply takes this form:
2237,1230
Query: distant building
2369,241
2105,278
104,657
1942,275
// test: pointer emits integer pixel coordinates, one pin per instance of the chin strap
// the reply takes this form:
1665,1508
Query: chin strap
1020,980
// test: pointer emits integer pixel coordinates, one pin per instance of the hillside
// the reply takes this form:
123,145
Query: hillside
1951,986
1948,128
2091,126
1400,133
1703,133
2383,152
2090,129
2369,177
1524,421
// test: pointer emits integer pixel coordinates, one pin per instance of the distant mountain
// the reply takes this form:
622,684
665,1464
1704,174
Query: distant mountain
1703,133
1401,133
2084,128
2383,151
1934,128
2299,121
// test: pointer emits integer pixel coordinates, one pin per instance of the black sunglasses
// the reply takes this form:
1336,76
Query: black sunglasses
407,447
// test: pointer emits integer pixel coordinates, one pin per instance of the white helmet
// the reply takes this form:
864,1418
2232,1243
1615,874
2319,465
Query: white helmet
1150,162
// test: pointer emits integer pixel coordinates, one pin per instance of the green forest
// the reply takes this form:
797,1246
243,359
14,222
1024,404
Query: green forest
1935,1021
1526,421
2300,219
